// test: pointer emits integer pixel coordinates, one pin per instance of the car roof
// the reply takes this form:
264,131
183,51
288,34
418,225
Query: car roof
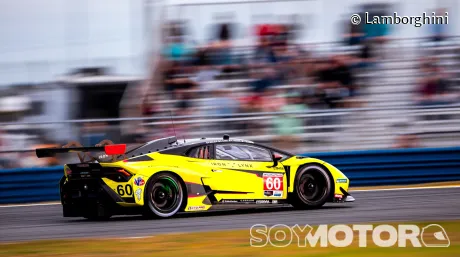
172,145
213,140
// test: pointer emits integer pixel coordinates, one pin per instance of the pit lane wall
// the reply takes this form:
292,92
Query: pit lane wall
364,168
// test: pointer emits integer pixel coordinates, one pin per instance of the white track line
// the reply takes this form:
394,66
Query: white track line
29,205
404,188
351,191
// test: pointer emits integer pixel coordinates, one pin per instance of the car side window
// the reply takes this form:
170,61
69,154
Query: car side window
202,152
242,152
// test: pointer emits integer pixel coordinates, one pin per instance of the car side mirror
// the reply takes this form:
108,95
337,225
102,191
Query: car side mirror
276,159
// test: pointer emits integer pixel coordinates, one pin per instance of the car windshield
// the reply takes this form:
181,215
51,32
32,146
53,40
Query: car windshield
242,152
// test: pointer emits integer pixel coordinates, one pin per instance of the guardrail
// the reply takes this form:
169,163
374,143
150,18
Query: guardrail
338,129
396,166
364,168
30,184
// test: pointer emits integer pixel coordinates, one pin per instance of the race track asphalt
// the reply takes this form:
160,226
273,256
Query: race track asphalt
46,222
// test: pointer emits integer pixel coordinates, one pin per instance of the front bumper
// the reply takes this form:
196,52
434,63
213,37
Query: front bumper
349,198
343,197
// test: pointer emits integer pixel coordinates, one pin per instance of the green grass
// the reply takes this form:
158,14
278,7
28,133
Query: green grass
218,243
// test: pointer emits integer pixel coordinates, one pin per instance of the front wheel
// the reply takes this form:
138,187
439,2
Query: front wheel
312,188
164,195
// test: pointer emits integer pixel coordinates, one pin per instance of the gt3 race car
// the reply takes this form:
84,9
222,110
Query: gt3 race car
163,177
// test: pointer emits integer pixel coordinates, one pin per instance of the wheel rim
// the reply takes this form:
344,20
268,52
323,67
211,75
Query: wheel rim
165,195
312,186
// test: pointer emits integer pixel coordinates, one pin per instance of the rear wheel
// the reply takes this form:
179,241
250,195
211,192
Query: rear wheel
312,188
164,196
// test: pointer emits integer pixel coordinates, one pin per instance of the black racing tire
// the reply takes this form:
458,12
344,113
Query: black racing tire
312,187
164,195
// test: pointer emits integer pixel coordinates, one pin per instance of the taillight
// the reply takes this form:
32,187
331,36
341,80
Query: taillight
67,170
124,172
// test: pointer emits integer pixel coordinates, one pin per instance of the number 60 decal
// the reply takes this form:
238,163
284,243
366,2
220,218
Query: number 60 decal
126,190
273,181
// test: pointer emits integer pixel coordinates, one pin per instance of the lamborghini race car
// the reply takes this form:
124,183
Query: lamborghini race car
165,176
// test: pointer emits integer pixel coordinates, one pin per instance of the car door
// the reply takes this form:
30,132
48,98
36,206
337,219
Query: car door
245,171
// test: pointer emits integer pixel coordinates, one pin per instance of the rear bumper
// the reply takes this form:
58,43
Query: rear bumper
89,198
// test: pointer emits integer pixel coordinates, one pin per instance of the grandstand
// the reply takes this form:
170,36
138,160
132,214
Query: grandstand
384,112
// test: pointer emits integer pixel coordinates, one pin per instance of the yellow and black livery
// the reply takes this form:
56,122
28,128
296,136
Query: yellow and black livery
165,176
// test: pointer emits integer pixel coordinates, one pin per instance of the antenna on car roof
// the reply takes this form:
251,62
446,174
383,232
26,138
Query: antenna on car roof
174,129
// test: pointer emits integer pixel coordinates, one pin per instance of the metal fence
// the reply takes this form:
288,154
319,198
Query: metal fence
312,131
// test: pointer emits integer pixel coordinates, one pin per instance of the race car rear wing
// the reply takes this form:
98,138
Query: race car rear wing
105,146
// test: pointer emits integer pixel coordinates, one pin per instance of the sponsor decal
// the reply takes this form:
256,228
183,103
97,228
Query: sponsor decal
273,181
85,174
232,164
196,208
342,180
220,164
338,196
138,194
278,193
226,141
263,201
230,201
266,201
139,181
268,193
251,201
244,165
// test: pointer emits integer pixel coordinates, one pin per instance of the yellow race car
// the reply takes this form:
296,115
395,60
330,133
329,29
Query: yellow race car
165,176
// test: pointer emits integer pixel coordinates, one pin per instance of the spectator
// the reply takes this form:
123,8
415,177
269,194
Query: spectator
353,34
175,48
205,71
172,79
434,88
222,104
332,76
438,32
273,101
287,126
221,49
377,34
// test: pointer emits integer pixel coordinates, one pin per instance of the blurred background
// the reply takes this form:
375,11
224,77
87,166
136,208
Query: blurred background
294,74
